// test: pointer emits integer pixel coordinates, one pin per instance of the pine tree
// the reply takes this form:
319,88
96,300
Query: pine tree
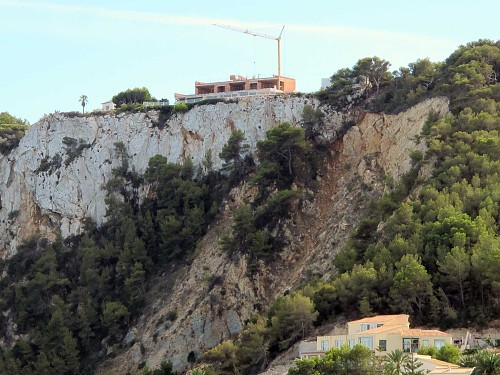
456,268
42,365
87,319
134,287
232,155
68,352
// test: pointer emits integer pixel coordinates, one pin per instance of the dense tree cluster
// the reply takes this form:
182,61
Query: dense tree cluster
132,96
462,77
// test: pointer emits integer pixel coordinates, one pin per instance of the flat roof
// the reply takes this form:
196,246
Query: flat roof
253,79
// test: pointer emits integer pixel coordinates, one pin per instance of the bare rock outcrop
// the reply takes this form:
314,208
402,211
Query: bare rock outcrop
373,151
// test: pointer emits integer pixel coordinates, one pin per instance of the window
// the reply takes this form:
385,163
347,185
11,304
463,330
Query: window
237,87
366,341
410,345
382,345
325,345
425,342
439,343
406,345
339,343
351,343
367,326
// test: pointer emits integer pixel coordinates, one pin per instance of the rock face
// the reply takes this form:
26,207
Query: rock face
375,150
42,188
212,297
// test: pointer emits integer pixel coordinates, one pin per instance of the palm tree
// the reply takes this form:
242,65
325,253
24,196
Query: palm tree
412,366
83,100
487,363
395,362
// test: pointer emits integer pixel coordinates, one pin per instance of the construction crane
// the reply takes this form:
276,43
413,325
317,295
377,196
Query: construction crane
246,31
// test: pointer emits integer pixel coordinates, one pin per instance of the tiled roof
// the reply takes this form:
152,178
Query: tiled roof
461,370
380,318
423,332
403,331
384,328
443,367
437,362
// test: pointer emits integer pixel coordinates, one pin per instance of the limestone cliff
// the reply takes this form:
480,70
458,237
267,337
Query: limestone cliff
212,296
43,189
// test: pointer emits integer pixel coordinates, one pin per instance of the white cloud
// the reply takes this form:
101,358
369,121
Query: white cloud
172,19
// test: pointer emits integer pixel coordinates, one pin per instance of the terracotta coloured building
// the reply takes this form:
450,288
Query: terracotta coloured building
239,87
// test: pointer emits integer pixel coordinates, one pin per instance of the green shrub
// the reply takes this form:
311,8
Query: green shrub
74,148
10,135
180,107
48,164
171,315
130,107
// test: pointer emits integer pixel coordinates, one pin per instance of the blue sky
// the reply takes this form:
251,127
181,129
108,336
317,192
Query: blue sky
54,51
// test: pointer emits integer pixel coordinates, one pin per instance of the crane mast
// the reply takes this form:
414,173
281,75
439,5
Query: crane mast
246,31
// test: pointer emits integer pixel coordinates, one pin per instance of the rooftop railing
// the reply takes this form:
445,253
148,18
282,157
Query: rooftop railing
229,94
155,104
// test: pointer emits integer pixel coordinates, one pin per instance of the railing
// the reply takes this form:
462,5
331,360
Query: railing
155,104
229,94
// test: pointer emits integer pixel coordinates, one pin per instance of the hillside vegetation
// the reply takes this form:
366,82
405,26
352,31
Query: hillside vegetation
432,248
429,248
11,131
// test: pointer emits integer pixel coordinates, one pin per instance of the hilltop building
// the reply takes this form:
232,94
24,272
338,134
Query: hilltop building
325,82
239,87
108,105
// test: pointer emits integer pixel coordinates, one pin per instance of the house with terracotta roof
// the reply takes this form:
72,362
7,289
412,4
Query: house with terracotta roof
385,333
